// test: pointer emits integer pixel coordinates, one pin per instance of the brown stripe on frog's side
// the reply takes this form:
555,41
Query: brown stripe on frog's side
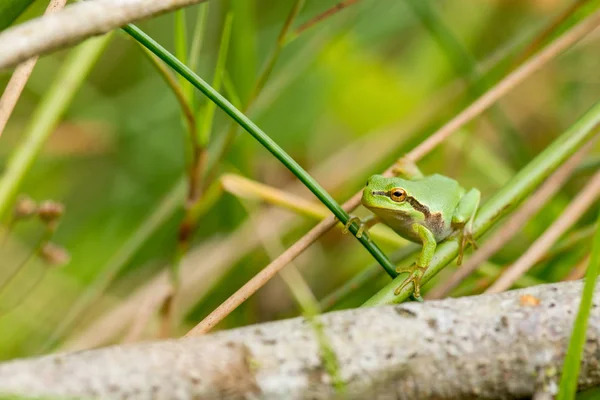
434,220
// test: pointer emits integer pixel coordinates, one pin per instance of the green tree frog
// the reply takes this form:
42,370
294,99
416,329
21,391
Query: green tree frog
423,209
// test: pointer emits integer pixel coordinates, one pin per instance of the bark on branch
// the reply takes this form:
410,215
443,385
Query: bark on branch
75,23
492,346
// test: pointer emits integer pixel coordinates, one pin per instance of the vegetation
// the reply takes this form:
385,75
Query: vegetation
141,154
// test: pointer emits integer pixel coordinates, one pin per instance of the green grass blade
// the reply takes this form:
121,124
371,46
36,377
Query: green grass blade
198,37
521,185
10,11
244,46
262,138
47,115
571,366
231,91
209,114
181,47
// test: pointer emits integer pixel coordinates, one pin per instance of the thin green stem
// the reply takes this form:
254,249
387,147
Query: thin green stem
181,47
259,85
572,364
262,138
209,111
505,200
47,115
175,88
198,35
231,91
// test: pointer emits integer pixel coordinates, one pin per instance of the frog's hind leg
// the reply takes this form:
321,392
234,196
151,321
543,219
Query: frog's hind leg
463,217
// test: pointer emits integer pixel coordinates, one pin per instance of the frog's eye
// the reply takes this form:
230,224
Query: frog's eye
398,194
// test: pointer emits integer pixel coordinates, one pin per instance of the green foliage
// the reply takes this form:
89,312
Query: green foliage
10,10
571,366
344,98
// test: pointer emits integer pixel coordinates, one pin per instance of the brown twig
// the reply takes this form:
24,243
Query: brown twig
516,221
490,346
507,84
476,108
549,30
76,23
19,79
325,14
578,272
584,200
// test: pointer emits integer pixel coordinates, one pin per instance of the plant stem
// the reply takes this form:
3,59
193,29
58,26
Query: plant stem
572,364
262,138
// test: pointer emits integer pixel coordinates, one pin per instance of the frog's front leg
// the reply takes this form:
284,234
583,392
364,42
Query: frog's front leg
417,270
363,225
463,220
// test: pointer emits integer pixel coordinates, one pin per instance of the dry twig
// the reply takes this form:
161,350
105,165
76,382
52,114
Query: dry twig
391,351
19,79
75,23
586,197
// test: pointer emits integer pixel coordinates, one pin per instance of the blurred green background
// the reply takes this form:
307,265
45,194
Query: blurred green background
345,99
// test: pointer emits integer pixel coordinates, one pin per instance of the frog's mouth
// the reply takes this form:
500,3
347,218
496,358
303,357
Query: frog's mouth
373,194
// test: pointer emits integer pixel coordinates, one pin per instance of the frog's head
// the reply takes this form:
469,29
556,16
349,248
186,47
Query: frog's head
390,197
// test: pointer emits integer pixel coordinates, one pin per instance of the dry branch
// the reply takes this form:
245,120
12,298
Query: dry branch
19,79
75,23
489,346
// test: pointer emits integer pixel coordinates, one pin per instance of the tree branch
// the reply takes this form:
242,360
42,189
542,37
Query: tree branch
75,23
491,346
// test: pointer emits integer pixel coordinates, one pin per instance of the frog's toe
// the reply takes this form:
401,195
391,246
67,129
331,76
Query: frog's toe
415,274
466,238
361,226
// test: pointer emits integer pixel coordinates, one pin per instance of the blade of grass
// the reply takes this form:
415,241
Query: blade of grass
258,86
209,111
262,138
231,91
47,115
181,46
572,363
198,37
243,46
526,180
